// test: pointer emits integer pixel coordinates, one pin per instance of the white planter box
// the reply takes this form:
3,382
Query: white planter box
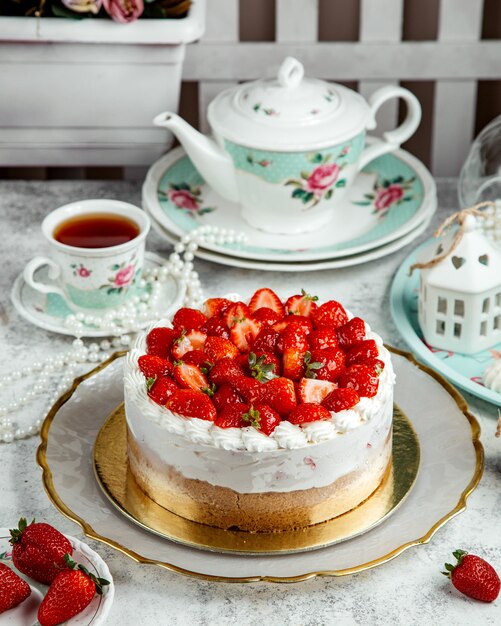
85,92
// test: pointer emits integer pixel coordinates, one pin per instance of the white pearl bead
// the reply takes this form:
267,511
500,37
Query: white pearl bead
105,344
8,437
80,316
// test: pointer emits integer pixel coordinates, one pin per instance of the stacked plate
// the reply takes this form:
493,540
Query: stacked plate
391,203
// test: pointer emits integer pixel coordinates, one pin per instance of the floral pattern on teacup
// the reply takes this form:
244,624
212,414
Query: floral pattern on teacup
123,278
5,556
80,270
321,182
387,193
258,107
187,198
260,162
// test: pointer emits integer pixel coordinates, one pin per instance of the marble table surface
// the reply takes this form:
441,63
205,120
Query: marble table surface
406,590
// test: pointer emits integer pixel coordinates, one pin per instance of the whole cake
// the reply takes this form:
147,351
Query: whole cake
261,415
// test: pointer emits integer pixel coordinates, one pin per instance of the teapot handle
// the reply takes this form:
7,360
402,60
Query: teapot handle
394,138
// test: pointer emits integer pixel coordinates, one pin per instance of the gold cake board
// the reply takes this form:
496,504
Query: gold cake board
118,484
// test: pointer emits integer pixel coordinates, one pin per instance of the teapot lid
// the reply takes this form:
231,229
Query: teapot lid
289,112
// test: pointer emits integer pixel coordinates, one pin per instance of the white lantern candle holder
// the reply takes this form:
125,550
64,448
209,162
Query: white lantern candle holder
460,287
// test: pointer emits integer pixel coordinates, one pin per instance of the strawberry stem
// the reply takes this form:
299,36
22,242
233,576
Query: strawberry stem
150,382
99,582
459,555
253,416
16,533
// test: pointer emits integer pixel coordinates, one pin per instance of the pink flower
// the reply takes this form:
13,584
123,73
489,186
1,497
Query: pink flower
83,6
83,272
124,11
183,199
345,150
323,177
388,196
124,276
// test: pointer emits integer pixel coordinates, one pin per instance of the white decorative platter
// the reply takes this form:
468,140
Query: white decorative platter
389,199
49,311
448,436
25,614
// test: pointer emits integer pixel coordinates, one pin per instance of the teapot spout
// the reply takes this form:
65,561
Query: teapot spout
211,161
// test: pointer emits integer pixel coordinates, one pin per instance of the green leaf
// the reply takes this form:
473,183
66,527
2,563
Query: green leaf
398,179
174,186
308,197
316,158
305,175
115,267
449,567
370,196
206,209
295,183
299,193
362,203
184,186
150,382
386,183
327,158
61,11
250,159
153,11
328,195
341,183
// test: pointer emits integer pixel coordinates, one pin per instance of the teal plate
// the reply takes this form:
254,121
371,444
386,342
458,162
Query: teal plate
389,198
463,370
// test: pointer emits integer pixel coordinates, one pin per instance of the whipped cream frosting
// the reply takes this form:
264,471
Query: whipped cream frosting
492,375
285,436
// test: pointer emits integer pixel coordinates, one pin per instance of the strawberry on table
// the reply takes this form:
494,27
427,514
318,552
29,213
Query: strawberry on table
351,333
303,304
314,390
216,306
159,341
265,297
192,404
217,348
189,376
341,399
232,416
262,417
188,319
360,378
224,371
38,550
332,360
225,396
152,366
13,589
280,395
323,338
331,314
71,591
364,351
244,331
473,576
188,341
308,412
161,389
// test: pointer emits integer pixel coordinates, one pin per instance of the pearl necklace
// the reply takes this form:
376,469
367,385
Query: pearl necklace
119,324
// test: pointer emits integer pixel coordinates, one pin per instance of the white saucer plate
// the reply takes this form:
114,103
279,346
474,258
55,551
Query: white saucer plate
25,614
49,311
299,266
451,466
389,199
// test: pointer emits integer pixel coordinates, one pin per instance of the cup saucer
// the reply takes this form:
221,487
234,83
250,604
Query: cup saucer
49,311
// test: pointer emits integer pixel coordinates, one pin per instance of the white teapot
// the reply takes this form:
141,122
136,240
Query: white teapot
287,149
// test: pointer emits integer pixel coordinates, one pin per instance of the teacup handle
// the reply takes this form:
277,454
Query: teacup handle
54,273
393,138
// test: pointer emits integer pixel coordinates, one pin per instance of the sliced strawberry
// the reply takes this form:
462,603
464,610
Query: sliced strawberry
217,348
224,371
302,304
341,399
159,341
266,298
244,332
293,363
263,366
216,306
161,389
152,366
267,316
232,416
351,333
360,378
267,341
237,311
280,395
308,412
188,319
263,418
364,351
225,396
249,388
192,404
198,358
333,363
189,376
188,341
323,338
376,365
299,320
331,314
312,390
215,327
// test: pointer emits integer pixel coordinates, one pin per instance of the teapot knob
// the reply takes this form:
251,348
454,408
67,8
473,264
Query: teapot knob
291,73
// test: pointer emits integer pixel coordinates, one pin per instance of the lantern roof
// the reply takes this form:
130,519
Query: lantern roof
473,267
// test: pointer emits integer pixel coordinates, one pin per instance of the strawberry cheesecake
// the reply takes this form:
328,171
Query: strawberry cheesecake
264,415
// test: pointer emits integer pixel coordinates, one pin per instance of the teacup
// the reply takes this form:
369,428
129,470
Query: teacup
91,277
